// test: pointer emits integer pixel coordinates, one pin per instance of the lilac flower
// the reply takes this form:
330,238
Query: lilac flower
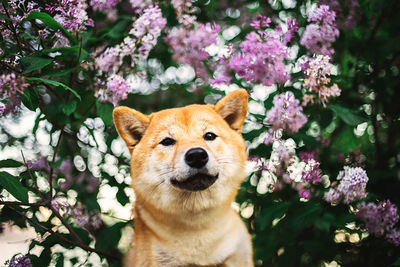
83,218
117,89
2,108
18,261
380,220
17,10
189,45
40,164
262,58
321,32
352,184
286,113
347,14
311,172
260,22
71,14
143,37
317,81
103,5
184,12
11,86
304,193
140,5
293,26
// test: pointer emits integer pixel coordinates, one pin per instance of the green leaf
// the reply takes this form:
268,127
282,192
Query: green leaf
10,163
55,83
109,237
14,186
69,107
30,98
51,23
351,117
104,110
55,164
267,215
397,262
122,198
30,64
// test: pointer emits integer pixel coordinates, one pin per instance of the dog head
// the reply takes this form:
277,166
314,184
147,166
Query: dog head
189,158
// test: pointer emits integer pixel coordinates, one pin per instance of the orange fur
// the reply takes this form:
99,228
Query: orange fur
178,227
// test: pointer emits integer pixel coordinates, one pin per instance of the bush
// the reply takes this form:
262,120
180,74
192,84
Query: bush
322,129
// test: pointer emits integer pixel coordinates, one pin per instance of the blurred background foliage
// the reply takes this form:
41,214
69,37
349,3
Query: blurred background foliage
69,160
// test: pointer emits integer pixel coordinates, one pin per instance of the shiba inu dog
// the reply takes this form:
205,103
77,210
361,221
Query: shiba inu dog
187,165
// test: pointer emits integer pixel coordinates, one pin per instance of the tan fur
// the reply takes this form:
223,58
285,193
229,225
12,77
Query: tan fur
173,226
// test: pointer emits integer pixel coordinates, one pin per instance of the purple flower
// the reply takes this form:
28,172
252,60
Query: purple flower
260,22
40,164
143,37
321,32
11,86
18,261
305,193
380,220
347,14
311,172
103,5
71,14
117,89
286,114
262,58
184,12
352,184
140,5
189,45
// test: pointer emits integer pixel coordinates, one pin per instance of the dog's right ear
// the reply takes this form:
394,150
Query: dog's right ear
130,124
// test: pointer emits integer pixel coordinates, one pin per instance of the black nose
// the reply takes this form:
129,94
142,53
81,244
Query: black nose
196,157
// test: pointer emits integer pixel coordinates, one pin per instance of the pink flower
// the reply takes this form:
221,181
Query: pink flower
71,14
321,32
189,45
116,89
11,86
103,5
286,114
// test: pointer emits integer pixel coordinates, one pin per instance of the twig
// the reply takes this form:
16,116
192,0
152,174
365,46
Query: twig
17,203
65,223
13,29
81,245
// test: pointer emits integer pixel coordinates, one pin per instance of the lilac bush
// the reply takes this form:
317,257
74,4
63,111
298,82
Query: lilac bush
321,130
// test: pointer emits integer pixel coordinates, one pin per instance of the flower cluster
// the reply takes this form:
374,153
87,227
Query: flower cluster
347,14
352,185
40,164
19,261
262,54
189,45
103,4
17,11
66,168
380,220
140,5
286,113
353,158
144,34
142,38
79,213
321,32
311,172
184,12
11,86
317,81
71,14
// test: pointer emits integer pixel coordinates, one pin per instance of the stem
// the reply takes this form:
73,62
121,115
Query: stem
76,244
17,203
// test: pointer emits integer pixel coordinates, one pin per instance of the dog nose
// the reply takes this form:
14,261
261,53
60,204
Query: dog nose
196,157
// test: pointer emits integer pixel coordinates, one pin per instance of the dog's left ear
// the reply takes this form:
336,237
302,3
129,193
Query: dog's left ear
233,108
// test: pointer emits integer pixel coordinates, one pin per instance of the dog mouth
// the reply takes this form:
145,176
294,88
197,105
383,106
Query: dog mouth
197,182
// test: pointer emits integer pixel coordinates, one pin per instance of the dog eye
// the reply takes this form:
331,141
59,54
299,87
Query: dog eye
168,141
209,136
